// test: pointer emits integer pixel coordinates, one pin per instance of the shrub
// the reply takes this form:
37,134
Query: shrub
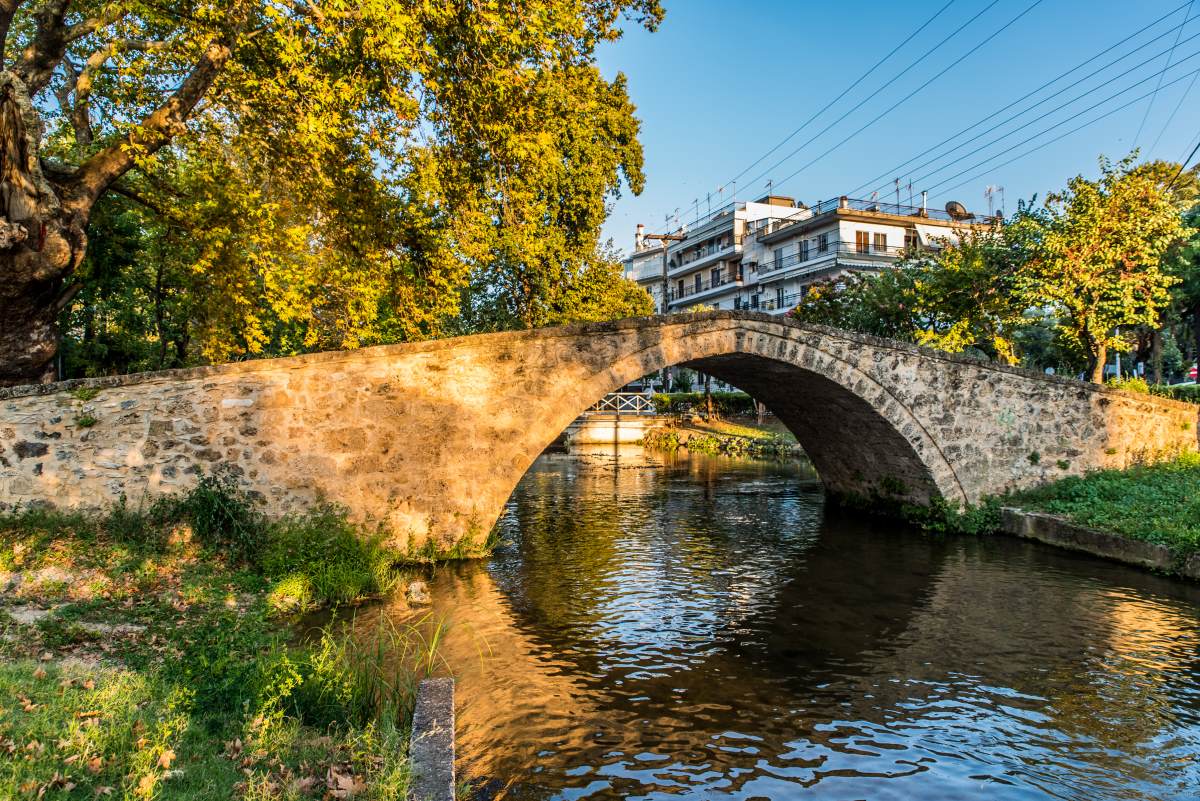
345,679
727,403
1133,384
223,519
1183,392
340,563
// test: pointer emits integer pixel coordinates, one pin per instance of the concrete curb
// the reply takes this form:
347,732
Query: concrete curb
1055,530
431,749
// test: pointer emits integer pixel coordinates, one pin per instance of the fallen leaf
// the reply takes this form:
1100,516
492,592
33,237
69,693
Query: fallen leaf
89,685
47,656
166,758
94,765
40,673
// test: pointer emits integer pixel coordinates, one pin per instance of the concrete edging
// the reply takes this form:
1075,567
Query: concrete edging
1058,531
431,749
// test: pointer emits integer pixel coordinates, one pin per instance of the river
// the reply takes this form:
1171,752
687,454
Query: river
704,628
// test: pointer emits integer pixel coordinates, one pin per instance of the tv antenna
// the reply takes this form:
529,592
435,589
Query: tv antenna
989,193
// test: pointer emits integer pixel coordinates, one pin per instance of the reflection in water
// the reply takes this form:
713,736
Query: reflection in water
703,628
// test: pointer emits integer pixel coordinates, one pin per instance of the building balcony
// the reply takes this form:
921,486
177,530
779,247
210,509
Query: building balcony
692,294
706,257
817,259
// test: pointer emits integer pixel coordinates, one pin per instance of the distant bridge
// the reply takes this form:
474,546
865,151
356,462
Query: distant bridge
430,438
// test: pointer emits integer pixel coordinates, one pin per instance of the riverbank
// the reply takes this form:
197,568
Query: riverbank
1154,505
148,654
731,437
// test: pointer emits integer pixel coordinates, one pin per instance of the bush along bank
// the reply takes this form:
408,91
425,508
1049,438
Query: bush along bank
142,656
1146,515
747,442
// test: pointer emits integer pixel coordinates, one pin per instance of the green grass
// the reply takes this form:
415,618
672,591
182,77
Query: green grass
199,692
1157,503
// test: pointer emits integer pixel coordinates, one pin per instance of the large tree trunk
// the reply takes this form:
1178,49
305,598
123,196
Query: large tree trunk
41,242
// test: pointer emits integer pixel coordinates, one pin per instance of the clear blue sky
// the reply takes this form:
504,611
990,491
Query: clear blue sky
721,83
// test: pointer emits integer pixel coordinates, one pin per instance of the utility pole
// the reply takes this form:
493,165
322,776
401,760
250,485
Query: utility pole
666,240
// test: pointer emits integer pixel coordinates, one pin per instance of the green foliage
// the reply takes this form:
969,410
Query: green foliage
223,518
1130,384
341,175
85,393
726,403
322,558
1183,392
1094,253
1058,286
1157,503
86,421
942,517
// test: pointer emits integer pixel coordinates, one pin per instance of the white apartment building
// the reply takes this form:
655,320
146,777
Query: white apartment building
764,255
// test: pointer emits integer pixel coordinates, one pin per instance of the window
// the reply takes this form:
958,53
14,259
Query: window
679,291
699,282
715,276
716,306
910,238
754,301
803,250
822,243
880,243
862,242
737,302
778,258
779,296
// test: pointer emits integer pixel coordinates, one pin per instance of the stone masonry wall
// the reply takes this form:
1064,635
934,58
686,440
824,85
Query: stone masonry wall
429,439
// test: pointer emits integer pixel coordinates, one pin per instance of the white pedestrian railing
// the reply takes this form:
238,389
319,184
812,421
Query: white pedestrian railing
623,403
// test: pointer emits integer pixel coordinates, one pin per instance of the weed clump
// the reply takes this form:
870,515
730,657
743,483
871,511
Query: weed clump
321,558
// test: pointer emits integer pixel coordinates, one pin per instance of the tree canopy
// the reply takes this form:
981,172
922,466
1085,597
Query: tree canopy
319,173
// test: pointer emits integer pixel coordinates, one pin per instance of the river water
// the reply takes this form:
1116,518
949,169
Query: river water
704,628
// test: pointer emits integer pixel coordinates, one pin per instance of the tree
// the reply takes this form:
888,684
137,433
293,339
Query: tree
342,165
1095,253
1183,263
962,295
880,304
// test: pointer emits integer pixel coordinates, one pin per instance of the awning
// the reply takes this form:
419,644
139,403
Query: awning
935,236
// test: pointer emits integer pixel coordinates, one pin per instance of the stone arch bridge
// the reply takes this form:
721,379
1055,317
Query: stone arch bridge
430,438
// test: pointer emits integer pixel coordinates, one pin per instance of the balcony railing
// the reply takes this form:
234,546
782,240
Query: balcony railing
877,207
691,289
838,249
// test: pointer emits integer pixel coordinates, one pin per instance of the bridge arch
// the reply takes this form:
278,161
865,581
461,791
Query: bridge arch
860,435
429,439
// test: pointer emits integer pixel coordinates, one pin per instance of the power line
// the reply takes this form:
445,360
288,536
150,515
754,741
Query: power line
847,90
1170,119
1077,98
879,181
1106,114
1183,164
871,96
1171,55
909,96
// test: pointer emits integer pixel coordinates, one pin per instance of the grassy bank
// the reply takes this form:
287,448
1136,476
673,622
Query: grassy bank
1158,503
147,654
724,437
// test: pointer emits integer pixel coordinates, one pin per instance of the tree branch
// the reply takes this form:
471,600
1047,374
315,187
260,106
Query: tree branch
8,9
46,50
164,123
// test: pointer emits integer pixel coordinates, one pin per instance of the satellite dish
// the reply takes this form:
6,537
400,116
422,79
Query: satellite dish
957,210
